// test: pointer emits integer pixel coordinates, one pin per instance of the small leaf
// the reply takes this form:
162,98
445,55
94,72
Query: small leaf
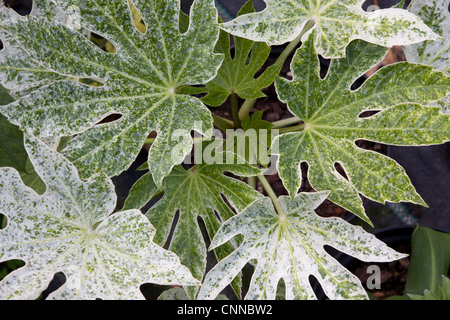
331,113
436,15
336,24
70,229
139,81
238,73
292,248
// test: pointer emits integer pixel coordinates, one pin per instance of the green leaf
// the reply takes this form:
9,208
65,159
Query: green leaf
139,81
430,259
253,140
336,23
331,113
70,229
21,73
238,73
436,15
197,193
291,248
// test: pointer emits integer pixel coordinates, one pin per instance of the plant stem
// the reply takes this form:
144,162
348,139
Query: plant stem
268,188
300,127
235,111
285,122
222,123
246,107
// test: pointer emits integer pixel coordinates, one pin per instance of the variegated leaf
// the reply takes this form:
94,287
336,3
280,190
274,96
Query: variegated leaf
436,15
139,81
70,229
291,247
238,73
196,193
331,113
336,22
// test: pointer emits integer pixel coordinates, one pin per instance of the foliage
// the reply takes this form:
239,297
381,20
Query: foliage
144,96
90,84
69,228
337,23
430,262
427,277
237,75
440,293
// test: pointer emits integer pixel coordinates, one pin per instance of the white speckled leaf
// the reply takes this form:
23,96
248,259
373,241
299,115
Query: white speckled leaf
331,114
436,15
337,23
139,81
238,72
196,193
70,229
292,248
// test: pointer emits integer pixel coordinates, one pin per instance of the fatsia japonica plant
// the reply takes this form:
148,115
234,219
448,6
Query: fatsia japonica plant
94,82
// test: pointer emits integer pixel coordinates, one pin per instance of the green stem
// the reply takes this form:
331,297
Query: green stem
251,182
285,122
246,107
222,123
276,202
235,111
300,127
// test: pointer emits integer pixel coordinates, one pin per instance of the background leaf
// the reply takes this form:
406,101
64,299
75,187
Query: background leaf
13,153
331,113
436,15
